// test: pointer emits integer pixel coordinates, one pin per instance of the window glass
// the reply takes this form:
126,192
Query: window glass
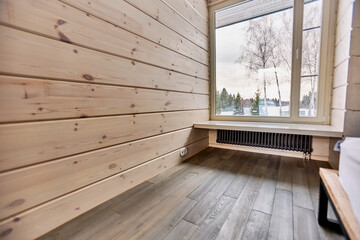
310,59
253,62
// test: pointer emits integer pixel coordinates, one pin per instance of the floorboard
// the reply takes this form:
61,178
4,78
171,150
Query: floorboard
281,223
217,194
305,225
257,226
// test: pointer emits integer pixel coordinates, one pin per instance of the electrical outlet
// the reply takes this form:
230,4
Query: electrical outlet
183,151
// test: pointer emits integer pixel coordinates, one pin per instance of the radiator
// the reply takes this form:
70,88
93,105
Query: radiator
283,141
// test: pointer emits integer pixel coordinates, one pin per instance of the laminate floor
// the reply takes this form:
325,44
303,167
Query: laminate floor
217,194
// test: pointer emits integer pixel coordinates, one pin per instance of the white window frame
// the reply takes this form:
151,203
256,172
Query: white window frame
325,67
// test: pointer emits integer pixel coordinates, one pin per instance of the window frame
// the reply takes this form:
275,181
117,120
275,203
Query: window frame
325,67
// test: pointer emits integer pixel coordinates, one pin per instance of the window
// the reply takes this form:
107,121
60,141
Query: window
270,61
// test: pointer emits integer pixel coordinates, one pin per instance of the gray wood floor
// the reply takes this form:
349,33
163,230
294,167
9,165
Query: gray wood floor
217,194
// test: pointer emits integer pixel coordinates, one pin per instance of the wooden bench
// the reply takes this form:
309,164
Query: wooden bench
331,190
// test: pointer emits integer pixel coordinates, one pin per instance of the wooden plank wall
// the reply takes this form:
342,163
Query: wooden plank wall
352,114
345,107
95,98
346,83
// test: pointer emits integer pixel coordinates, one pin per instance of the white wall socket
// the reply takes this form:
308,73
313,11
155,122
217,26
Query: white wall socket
183,151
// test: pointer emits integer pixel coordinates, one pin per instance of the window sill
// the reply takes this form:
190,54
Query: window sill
304,129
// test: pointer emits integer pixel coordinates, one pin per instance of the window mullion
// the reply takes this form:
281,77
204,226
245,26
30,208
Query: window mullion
296,59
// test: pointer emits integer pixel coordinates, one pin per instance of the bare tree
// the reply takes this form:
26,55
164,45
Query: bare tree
258,52
266,48
311,50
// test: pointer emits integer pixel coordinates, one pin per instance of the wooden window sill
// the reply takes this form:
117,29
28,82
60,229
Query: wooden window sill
304,129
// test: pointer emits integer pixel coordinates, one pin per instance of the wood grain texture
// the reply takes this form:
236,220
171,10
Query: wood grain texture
281,226
257,226
65,23
43,182
164,225
265,198
54,213
242,177
210,227
284,178
91,222
301,194
183,230
305,224
158,209
80,135
129,18
234,225
73,62
93,92
341,201
351,125
23,99
189,13
164,14
214,2
200,6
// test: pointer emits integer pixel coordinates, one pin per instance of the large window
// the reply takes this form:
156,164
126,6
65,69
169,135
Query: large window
266,59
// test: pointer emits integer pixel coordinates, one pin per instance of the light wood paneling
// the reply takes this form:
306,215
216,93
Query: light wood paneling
356,16
129,18
354,70
96,97
341,74
23,99
352,126
341,201
189,13
344,22
342,50
40,183
63,209
355,42
41,141
68,24
345,101
353,97
68,61
339,97
337,118
343,6
214,2
200,6
164,14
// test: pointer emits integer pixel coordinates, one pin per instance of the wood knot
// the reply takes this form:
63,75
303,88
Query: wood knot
113,165
6,232
61,22
17,202
88,77
64,38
